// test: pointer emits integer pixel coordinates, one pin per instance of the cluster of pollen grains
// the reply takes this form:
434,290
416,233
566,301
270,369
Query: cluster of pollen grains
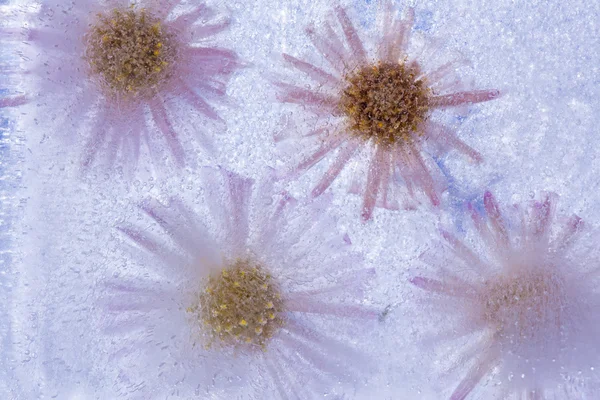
523,307
130,50
386,102
240,306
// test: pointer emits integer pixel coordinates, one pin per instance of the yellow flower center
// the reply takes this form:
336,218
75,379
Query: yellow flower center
385,102
130,50
240,306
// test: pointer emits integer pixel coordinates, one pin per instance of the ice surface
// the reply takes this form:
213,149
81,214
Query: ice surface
57,226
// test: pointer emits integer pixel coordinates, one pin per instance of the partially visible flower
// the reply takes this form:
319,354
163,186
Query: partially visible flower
381,101
120,71
258,295
514,307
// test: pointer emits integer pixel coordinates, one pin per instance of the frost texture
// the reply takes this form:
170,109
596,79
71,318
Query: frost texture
428,79
518,301
75,84
162,345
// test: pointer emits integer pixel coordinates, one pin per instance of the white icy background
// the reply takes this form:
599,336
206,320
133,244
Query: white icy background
541,135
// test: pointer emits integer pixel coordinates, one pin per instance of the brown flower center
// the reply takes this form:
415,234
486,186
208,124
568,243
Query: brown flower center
130,50
240,306
385,102
525,306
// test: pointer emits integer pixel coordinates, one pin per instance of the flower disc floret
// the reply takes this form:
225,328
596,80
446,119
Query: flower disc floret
521,307
386,102
240,306
130,50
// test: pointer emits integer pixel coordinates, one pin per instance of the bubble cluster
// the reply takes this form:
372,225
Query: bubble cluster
385,102
130,50
241,306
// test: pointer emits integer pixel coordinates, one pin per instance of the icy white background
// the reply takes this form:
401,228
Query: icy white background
57,227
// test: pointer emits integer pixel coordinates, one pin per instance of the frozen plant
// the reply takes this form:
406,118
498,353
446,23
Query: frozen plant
513,306
260,296
381,102
121,71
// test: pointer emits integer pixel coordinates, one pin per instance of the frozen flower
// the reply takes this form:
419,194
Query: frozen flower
121,71
380,101
258,296
513,307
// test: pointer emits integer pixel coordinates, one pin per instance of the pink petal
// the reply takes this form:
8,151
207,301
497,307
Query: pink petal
455,289
543,215
172,224
163,7
153,246
13,101
96,140
346,153
159,115
401,161
204,62
123,305
473,378
495,217
116,142
126,326
385,17
386,171
439,73
184,21
326,346
239,190
204,31
447,138
322,102
396,36
316,74
276,372
329,144
351,35
229,203
573,226
196,101
404,30
469,257
272,223
307,305
317,358
470,97
211,53
373,182
423,177
135,139
327,50
352,285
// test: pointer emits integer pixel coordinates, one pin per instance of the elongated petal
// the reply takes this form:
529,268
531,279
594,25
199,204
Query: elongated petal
351,35
373,182
315,73
13,101
457,99
347,152
474,376
159,115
